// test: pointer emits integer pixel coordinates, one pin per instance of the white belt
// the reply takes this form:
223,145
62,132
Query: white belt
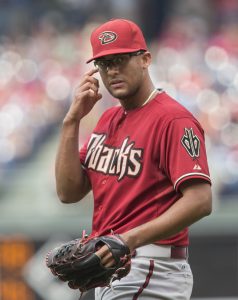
159,251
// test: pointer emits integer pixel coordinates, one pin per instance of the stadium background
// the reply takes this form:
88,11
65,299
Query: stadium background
43,48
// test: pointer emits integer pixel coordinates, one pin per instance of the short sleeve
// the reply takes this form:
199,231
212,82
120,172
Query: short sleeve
183,153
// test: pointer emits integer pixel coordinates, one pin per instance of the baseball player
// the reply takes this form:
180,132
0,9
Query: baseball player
145,163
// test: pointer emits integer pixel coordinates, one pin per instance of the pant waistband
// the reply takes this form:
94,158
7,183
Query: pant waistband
162,251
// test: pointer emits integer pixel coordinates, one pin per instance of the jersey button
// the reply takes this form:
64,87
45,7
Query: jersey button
104,181
100,207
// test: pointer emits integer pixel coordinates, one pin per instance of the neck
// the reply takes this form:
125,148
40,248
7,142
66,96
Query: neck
151,95
139,99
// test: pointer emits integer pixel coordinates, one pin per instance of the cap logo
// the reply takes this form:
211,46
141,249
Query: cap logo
107,37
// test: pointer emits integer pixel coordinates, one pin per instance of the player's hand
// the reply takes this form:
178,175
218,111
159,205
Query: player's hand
85,97
106,257
105,254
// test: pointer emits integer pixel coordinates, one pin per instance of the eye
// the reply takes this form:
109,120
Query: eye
100,64
120,60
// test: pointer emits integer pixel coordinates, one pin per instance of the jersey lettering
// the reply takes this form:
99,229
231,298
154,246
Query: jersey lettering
125,160
191,143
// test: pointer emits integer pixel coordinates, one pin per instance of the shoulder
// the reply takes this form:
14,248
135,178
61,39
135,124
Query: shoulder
167,109
170,107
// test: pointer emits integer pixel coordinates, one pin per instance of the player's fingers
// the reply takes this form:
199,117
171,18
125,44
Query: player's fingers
84,85
89,94
92,71
87,78
101,252
99,96
108,261
87,86
106,257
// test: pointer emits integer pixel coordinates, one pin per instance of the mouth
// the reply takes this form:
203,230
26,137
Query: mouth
116,83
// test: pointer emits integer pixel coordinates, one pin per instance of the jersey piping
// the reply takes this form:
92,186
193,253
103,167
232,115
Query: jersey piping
191,174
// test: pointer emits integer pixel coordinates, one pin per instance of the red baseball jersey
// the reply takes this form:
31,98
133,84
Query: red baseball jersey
136,161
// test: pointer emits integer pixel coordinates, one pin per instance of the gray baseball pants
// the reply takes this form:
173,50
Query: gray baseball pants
152,277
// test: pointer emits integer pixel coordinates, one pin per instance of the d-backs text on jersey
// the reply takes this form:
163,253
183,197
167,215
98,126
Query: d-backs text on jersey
125,160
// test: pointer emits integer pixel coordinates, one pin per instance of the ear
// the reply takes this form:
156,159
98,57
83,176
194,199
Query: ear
146,59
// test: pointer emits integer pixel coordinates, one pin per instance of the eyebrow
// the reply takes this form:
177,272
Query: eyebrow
115,56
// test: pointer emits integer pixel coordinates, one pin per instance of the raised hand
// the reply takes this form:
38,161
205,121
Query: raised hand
85,97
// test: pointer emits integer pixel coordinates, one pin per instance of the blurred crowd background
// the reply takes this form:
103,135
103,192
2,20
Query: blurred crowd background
44,45
43,48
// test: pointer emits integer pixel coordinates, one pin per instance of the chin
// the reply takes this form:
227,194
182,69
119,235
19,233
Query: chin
119,94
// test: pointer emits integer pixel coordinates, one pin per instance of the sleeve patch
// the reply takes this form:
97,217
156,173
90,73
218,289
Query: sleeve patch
191,143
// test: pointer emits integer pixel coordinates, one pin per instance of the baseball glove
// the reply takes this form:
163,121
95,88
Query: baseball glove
77,263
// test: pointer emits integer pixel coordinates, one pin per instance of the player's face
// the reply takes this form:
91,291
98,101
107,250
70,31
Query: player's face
123,74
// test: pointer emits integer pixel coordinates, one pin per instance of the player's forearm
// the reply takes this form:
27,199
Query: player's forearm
71,182
182,214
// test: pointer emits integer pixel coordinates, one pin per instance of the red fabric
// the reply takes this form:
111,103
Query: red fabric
116,36
137,161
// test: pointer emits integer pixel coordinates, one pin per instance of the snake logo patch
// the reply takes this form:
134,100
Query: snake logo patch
107,37
191,143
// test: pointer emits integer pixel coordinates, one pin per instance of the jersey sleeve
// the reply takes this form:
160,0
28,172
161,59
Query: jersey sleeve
183,153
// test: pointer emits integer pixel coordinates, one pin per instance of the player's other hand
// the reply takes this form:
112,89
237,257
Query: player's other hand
106,257
86,95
